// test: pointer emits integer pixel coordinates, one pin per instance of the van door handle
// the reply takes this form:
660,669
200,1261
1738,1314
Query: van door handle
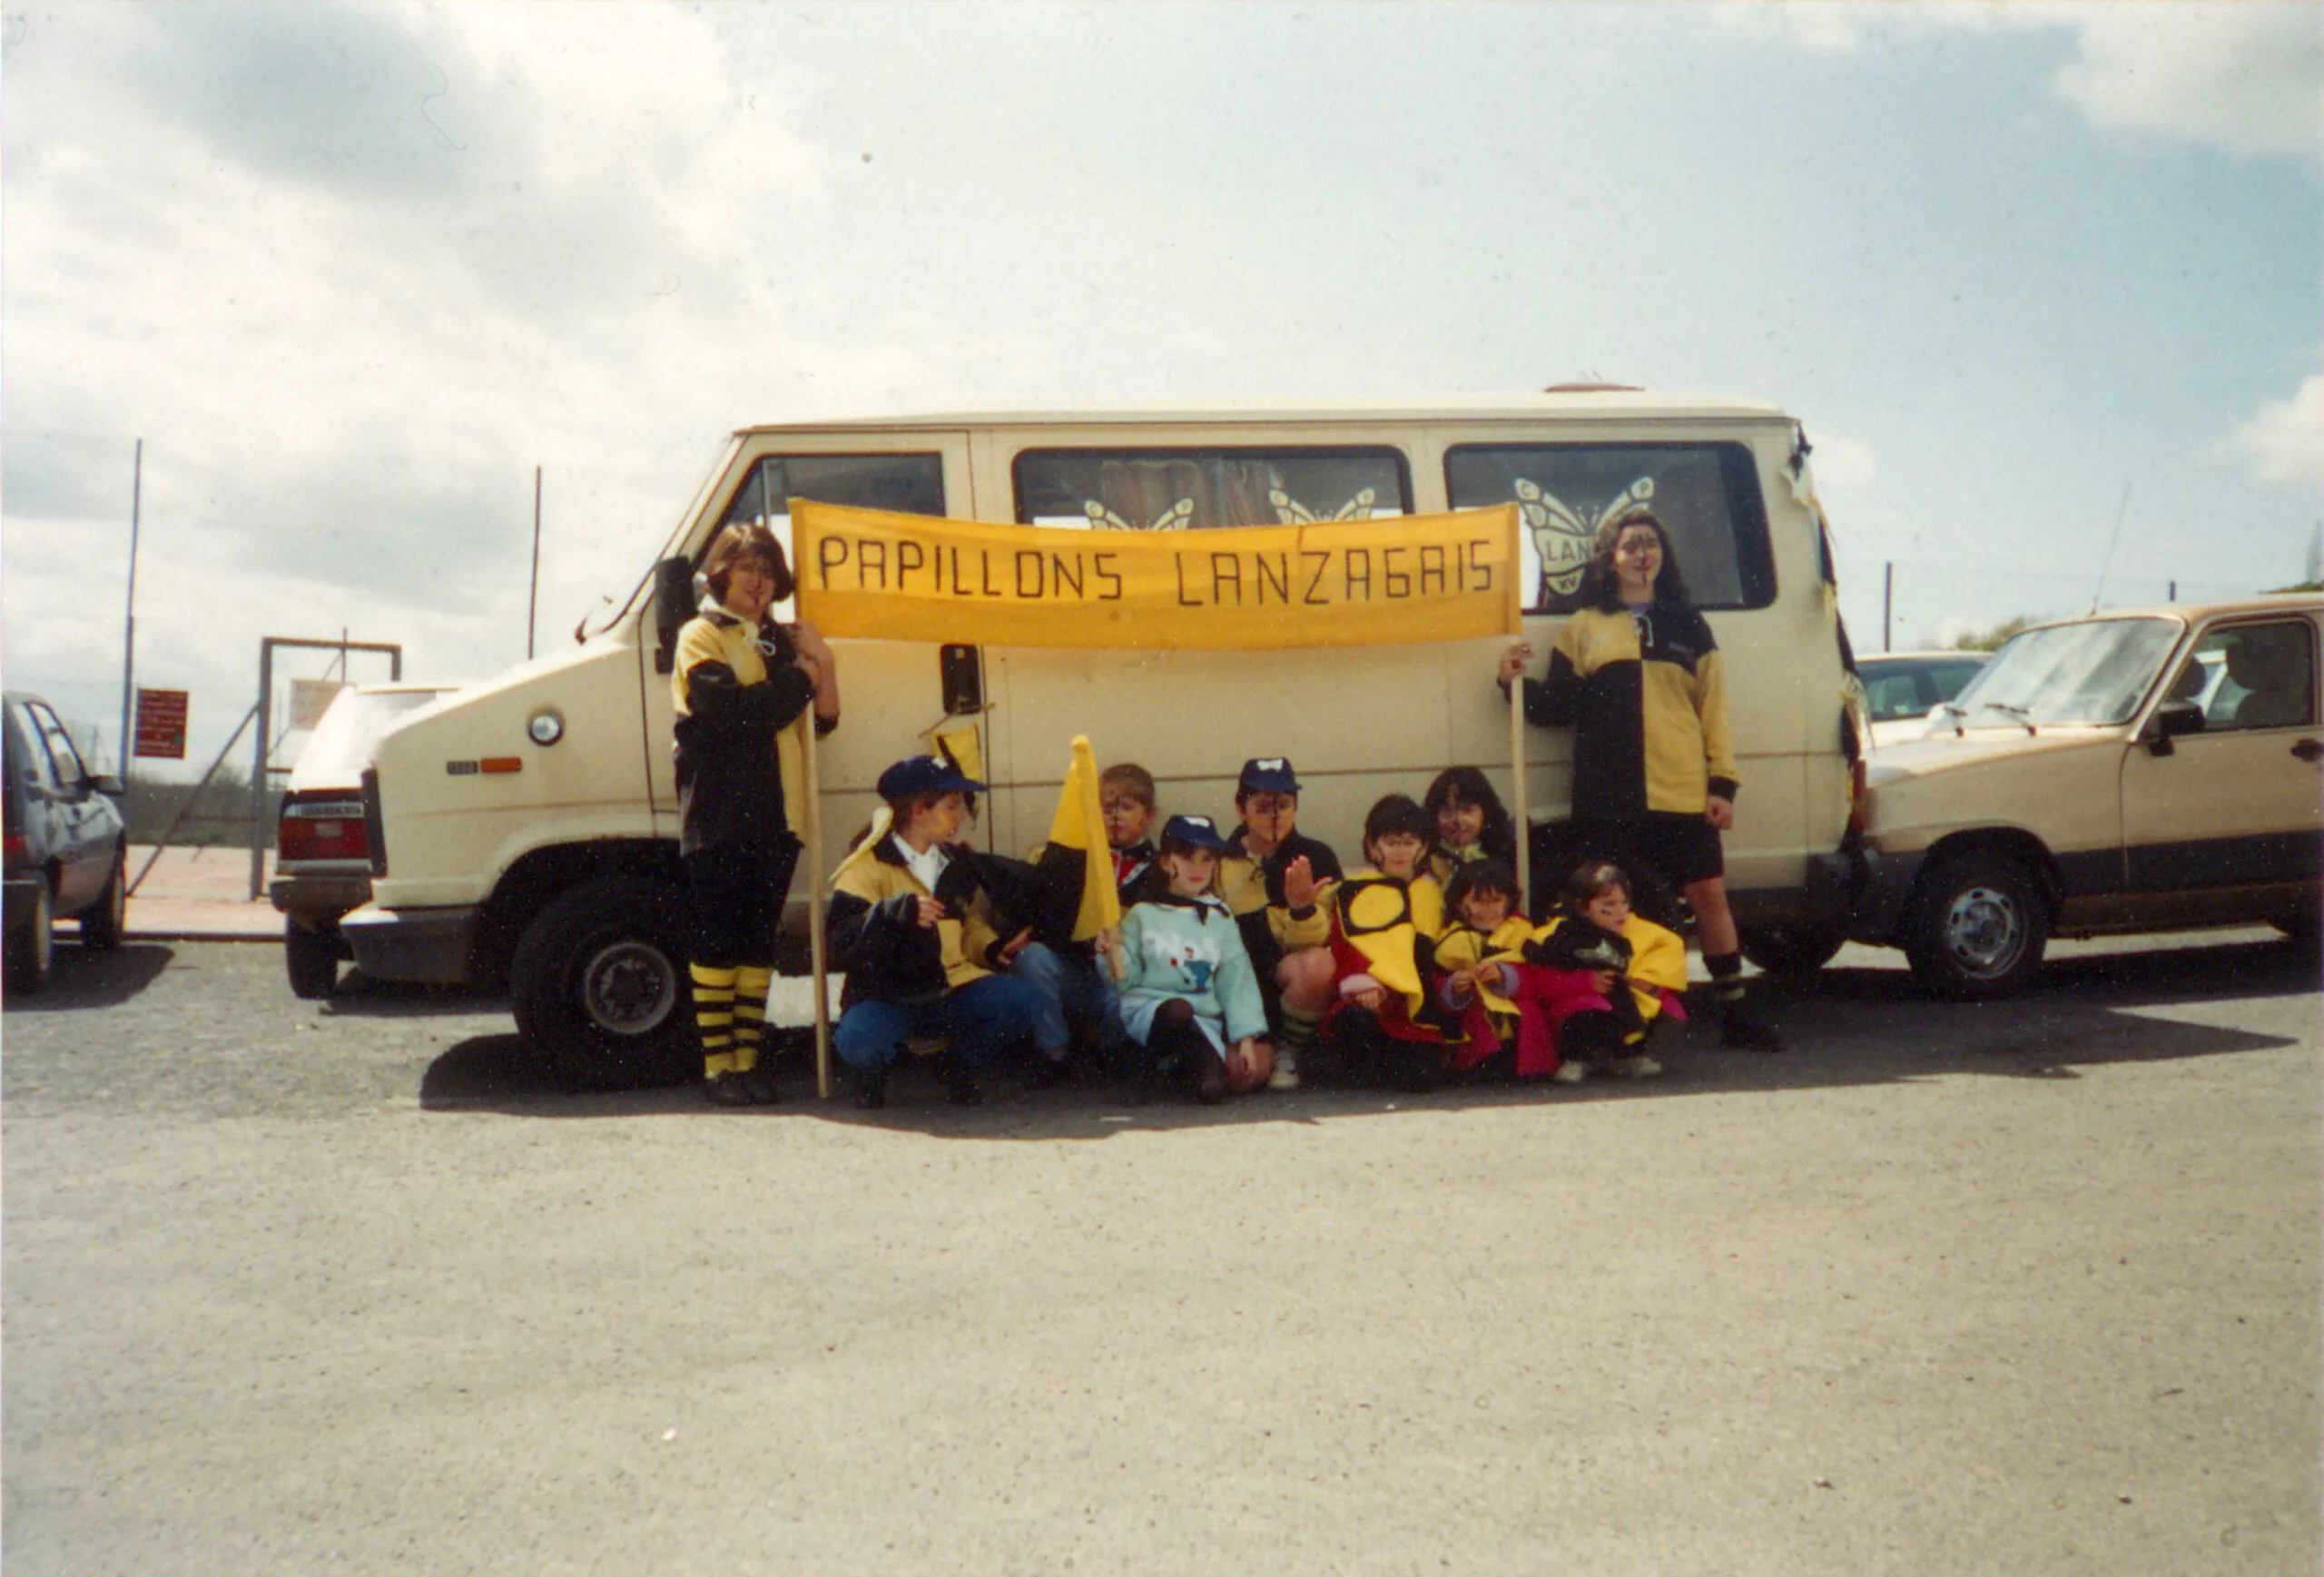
2308,750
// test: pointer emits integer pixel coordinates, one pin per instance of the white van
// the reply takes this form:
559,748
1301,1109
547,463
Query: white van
527,827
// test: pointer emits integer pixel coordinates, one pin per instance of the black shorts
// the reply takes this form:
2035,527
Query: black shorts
1681,849
735,901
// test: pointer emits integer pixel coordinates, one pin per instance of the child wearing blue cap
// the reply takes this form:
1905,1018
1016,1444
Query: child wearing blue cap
1188,993
1272,876
919,965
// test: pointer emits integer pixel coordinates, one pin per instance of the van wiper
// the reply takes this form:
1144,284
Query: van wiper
2023,715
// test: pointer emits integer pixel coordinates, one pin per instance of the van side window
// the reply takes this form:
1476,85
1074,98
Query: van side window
1707,493
2254,677
1194,489
905,484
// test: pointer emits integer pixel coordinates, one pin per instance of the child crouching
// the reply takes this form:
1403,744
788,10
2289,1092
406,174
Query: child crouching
1384,1024
1598,979
1189,997
1480,951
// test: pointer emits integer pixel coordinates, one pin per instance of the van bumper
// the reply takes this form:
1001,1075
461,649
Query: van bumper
1886,885
432,947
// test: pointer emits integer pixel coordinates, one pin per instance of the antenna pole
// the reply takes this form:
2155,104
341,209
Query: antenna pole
129,619
533,602
2098,590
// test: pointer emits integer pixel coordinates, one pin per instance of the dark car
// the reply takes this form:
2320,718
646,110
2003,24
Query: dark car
322,858
67,849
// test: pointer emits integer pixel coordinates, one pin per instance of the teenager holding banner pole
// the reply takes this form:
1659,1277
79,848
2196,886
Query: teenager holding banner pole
741,687
1636,674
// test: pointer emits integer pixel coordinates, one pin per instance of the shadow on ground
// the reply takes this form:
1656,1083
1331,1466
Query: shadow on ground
1847,1026
361,996
84,977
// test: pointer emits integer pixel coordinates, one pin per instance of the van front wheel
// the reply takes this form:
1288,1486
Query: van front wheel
1978,927
599,985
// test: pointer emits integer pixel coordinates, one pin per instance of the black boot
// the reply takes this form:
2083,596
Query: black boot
868,1088
1742,1030
960,1085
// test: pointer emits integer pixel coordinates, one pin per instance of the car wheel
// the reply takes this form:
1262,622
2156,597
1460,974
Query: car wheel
32,946
311,959
1793,950
104,923
600,988
1978,927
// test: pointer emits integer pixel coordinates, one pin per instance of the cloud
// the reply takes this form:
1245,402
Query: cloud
1843,462
2283,441
2246,76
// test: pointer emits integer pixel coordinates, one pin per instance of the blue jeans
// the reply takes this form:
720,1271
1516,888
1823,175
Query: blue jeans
979,1020
1069,983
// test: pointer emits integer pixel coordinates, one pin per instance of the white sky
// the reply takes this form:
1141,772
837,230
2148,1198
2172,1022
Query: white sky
352,272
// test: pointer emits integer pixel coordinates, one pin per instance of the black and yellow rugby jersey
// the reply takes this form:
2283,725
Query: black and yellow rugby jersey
1645,692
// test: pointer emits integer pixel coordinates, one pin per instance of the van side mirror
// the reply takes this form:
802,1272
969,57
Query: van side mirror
673,606
109,784
2173,719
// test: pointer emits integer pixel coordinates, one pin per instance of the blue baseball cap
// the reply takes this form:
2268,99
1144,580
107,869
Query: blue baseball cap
1194,832
925,774
1266,774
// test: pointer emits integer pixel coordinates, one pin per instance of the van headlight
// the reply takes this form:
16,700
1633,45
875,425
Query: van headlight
544,727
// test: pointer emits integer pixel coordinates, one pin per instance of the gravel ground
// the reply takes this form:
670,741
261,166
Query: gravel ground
2032,1288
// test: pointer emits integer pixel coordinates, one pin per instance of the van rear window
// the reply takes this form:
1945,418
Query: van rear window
910,483
1708,494
1190,489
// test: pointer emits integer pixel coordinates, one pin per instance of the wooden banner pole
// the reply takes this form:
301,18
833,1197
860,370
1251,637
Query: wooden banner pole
815,901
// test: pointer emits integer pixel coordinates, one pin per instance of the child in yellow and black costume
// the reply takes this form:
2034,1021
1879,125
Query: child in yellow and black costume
1482,942
1384,1022
1596,981
741,686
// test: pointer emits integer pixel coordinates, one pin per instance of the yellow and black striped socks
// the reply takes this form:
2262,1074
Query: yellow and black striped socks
714,1015
750,1014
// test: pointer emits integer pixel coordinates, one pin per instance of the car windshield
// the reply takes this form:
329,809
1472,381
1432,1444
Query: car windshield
2093,672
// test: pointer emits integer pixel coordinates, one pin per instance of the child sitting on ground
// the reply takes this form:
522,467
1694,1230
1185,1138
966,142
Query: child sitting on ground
1079,1003
1469,823
1188,995
1270,878
1383,1021
1479,950
1598,979
918,963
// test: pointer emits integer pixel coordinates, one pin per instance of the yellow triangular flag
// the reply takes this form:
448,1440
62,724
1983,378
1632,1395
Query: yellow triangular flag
1080,825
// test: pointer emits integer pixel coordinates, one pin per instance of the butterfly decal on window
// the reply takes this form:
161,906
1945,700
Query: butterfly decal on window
1563,537
1290,511
1174,518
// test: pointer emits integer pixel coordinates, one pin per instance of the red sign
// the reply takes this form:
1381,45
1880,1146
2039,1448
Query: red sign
161,723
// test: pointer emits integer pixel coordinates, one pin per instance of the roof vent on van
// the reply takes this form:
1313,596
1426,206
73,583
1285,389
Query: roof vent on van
1593,389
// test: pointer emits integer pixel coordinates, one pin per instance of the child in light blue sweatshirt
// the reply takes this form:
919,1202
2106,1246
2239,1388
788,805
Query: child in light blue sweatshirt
1188,993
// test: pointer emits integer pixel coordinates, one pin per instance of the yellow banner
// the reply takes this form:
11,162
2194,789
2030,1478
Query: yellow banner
1367,583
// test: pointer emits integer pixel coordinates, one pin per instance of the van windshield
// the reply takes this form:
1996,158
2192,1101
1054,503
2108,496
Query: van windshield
2094,672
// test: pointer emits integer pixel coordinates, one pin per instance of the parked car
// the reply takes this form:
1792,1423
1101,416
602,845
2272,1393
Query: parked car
1902,688
66,847
2129,772
322,858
